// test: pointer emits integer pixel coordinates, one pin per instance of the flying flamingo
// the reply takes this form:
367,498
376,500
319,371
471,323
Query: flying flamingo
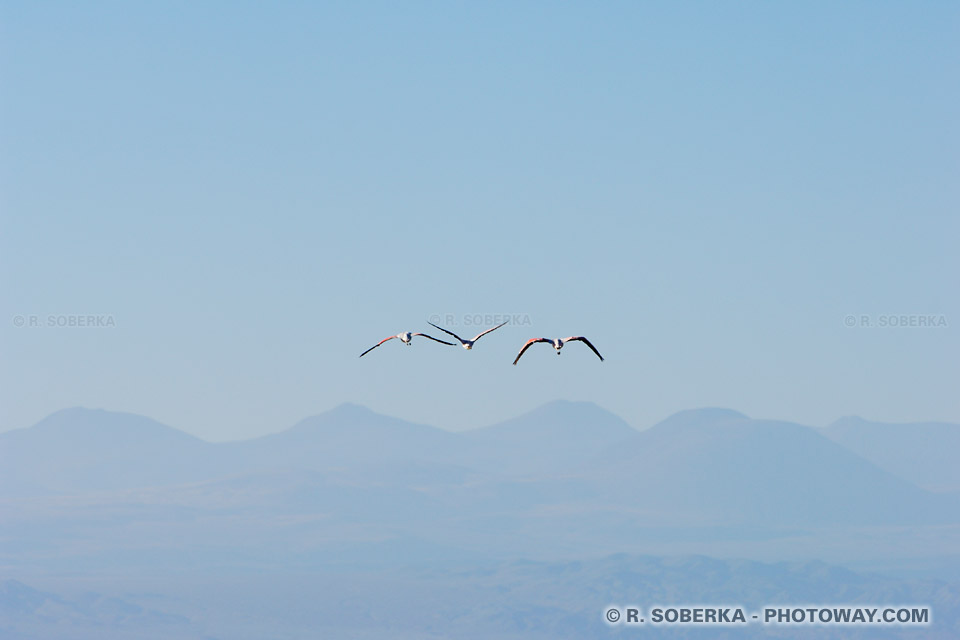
406,338
558,344
467,344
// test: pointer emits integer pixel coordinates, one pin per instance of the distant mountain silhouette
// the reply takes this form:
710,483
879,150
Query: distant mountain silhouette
552,438
344,437
701,418
925,453
708,466
91,449
721,465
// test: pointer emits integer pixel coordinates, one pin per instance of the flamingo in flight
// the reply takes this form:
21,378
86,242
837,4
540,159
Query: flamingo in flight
467,344
406,338
558,344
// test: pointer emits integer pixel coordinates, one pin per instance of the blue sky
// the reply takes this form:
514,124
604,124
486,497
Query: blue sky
256,194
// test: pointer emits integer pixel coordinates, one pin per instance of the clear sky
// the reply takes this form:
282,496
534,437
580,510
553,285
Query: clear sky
254,193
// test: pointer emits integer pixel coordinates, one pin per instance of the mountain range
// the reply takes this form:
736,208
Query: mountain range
704,465
391,520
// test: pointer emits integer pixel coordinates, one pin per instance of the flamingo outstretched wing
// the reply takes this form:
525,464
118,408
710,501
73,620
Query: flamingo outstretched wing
432,338
527,346
586,342
376,345
483,333
445,331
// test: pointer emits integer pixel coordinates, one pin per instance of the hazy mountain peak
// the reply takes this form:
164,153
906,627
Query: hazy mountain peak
561,402
705,417
350,409
75,412
557,436
351,413
83,423
81,449
353,417
560,418
845,421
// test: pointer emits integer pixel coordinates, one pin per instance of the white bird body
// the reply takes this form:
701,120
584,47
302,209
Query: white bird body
406,338
467,344
557,344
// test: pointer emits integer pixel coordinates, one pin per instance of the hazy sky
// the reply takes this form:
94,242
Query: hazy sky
252,194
